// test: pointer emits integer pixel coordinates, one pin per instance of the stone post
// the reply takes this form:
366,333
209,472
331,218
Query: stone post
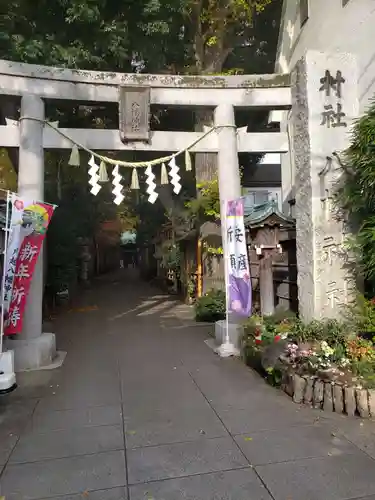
32,349
266,286
229,189
325,103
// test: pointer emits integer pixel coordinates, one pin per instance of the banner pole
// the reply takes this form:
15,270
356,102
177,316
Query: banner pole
5,256
226,277
227,348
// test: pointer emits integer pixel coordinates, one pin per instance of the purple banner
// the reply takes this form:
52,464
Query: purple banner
239,282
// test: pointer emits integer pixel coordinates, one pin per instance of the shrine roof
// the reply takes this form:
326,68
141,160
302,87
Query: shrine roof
260,214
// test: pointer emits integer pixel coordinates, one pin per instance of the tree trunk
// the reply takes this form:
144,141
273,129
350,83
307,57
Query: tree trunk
205,163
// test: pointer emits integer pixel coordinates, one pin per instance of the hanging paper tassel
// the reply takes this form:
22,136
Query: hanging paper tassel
153,195
103,175
135,182
173,174
117,186
94,177
74,157
188,165
164,175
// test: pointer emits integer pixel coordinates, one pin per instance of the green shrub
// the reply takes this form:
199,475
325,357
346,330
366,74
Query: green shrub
361,315
329,330
211,307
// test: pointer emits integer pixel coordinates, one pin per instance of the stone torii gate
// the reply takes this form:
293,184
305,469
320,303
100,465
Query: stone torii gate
33,85
134,93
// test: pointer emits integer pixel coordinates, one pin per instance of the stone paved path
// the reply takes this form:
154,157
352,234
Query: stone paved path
143,410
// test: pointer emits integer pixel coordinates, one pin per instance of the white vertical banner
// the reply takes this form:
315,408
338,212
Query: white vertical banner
14,242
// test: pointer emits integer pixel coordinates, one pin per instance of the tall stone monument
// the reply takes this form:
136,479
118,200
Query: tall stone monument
324,105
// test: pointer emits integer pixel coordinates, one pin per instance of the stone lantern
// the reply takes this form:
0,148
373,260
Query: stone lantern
264,225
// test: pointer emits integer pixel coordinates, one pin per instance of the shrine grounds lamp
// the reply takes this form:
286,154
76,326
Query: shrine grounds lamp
263,227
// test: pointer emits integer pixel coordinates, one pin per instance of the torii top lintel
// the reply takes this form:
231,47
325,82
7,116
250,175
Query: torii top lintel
271,90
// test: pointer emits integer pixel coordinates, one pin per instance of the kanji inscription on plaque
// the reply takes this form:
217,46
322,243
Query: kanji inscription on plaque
134,114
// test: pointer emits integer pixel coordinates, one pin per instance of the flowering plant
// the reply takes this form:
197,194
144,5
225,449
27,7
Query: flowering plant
297,355
359,349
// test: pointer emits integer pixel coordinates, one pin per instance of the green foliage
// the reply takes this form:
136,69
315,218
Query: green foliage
211,307
207,205
90,34
150,219
365,369
362,315
280,323
217,27
176,36
329,330
79,215
274,376
356,195
213,250
171,256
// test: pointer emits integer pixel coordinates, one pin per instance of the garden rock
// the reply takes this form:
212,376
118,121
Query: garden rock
362,402
328,399
318,394
309,391
371,402
272,353
299,384
338,398
288,384
350,404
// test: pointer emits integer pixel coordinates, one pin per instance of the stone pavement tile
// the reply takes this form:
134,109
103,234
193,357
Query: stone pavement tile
236,484
172,425
266,417
293,443
76,395
362,434
235,387
183,459
332,478
156,372
64,476
171,382
7,442
33,446
31,385
44,420
147,397
112,494
15,415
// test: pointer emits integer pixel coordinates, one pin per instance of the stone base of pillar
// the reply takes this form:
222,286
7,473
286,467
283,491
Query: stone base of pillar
36,354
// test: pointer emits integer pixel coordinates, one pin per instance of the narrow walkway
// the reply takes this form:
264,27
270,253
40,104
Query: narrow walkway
144,410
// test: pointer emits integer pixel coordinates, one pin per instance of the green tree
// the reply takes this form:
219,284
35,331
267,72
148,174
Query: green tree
90,34
198,36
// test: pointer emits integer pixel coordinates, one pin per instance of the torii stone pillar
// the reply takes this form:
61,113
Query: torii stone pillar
324,105
32,349
229,189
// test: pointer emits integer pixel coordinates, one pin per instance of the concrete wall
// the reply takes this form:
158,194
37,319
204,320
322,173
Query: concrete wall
331,27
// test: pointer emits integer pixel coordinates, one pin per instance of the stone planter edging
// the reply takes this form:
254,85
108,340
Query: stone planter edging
329,396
